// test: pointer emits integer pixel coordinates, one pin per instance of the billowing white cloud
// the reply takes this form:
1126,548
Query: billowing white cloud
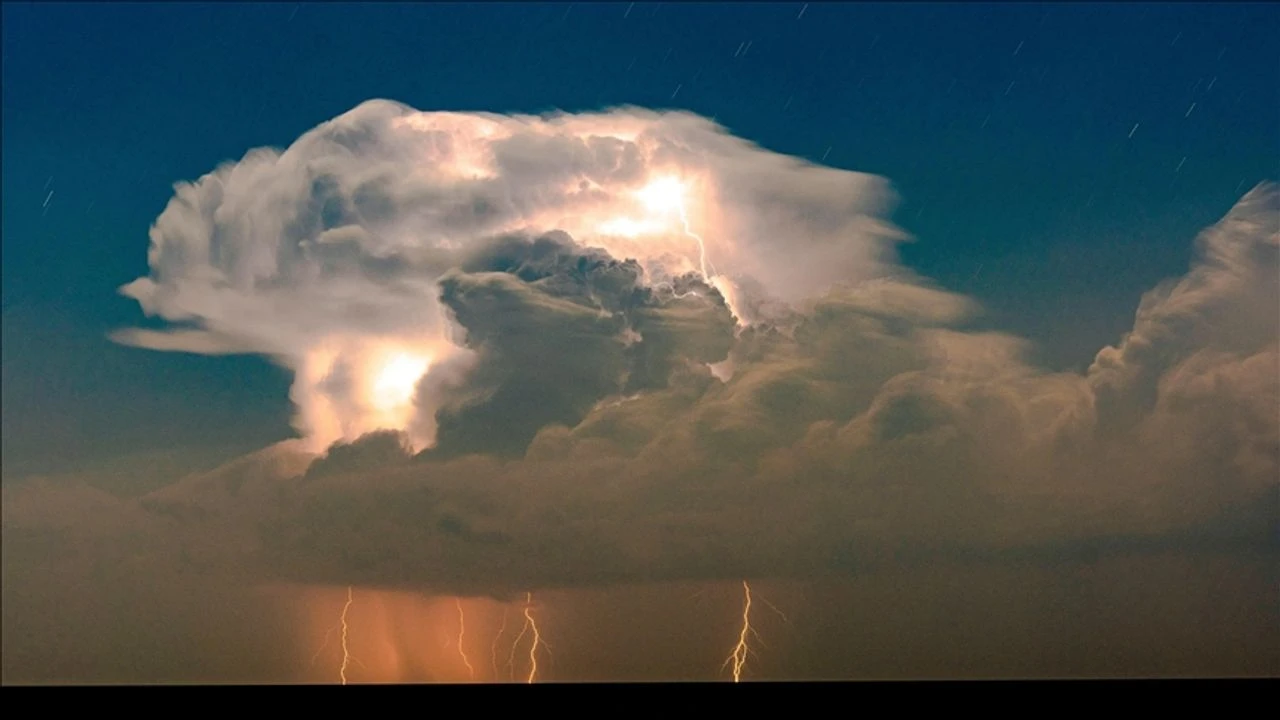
329,256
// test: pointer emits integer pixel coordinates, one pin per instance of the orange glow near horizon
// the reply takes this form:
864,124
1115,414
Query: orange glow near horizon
346,650
385,636
364,635
501,630
462,633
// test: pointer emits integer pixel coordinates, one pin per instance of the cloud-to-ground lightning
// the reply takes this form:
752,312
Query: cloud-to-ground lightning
501,630
346,650
530,625
511,659
738,658
537,637
347,657
327,634
462,631
774,608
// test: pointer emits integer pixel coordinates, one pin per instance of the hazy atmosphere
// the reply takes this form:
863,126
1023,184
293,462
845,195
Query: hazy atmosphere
620,341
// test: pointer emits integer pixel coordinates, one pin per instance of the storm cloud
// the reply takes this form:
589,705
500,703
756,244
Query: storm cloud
595,406
330,256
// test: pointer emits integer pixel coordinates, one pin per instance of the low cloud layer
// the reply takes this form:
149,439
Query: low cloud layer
583,408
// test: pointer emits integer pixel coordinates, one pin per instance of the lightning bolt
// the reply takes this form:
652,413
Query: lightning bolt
529,624
346,651
501,629
327,635
742,650
511,659
462,631
738,658
537,638
774,608
347,657
709,273
702,246
667,194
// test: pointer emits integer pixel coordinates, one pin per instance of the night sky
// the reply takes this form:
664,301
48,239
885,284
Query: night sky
1051,162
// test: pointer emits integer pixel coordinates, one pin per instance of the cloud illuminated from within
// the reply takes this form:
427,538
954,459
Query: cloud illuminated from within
329,255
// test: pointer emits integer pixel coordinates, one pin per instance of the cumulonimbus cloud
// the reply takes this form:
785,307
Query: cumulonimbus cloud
331,255
608,399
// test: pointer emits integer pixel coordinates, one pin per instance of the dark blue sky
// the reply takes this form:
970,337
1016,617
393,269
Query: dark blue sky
1007,128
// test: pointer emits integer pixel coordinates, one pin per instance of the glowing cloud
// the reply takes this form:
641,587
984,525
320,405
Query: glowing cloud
328,256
